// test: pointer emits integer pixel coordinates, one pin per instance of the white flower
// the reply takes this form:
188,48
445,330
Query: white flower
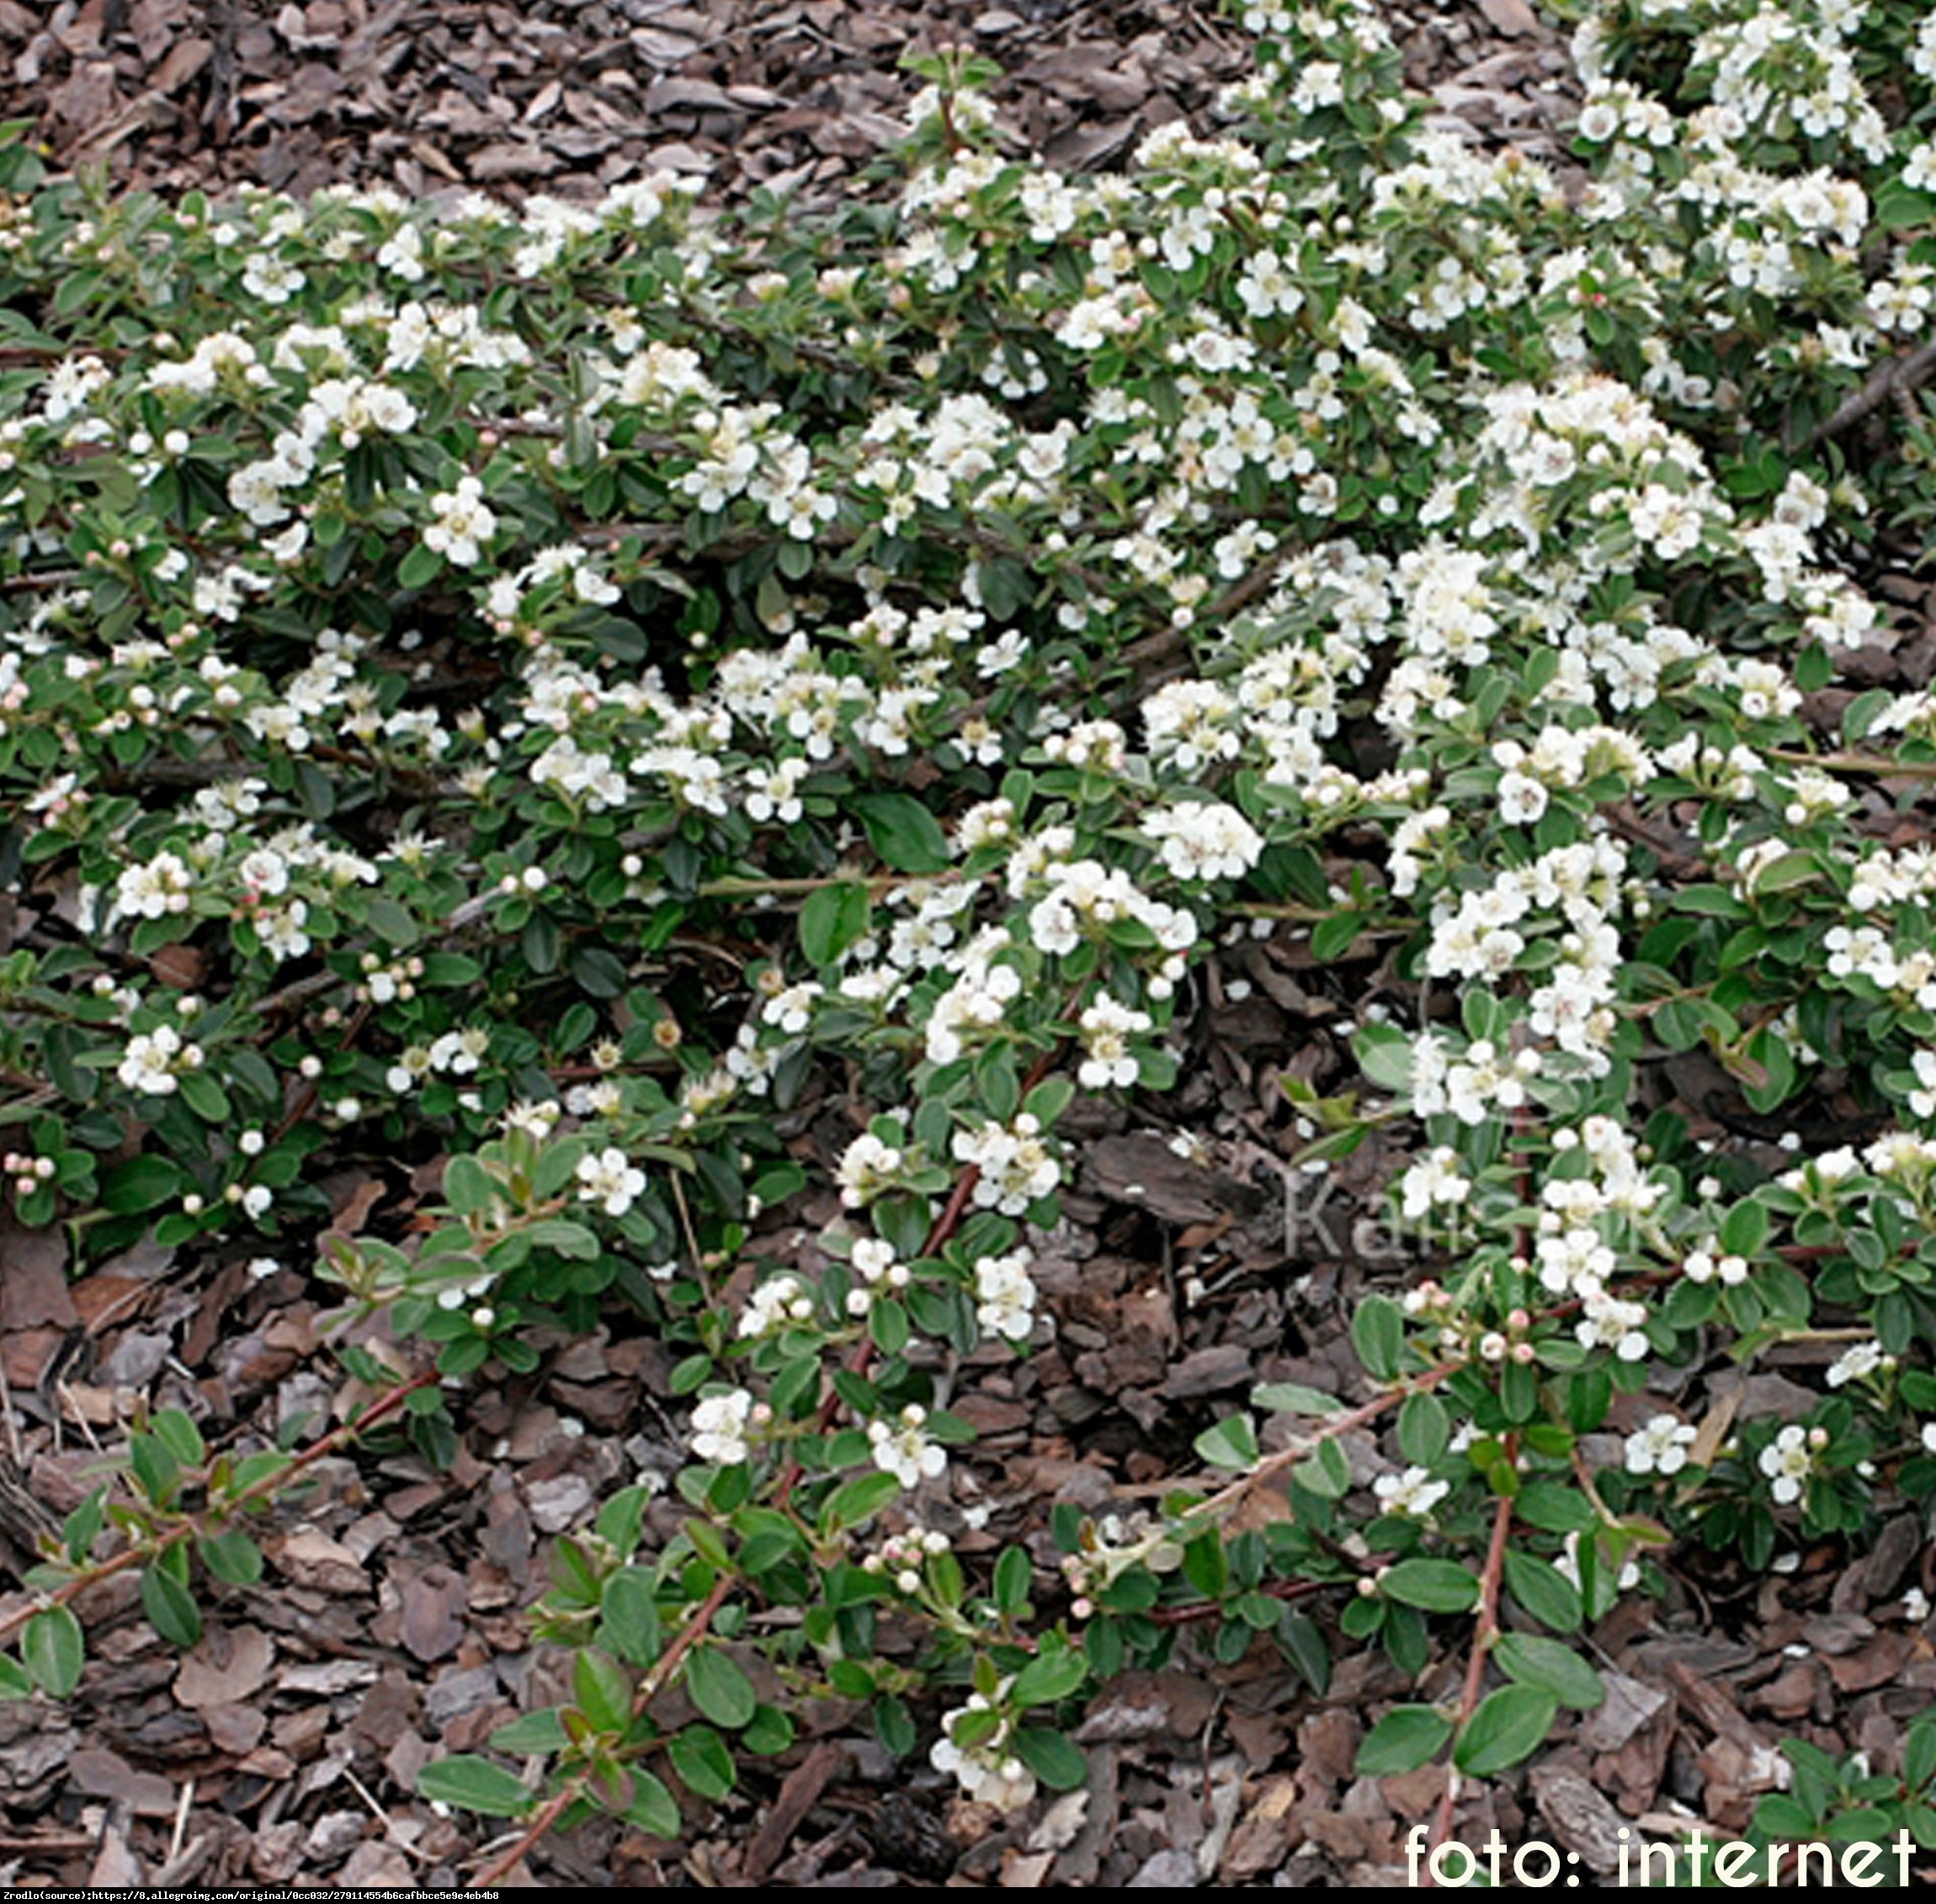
1864,1359
1521,800
1107,1027
1436,1179
719,1430
463,525
903,1449
1788,1462
610,1180
1661,1447
1413,1492
156,890
1610,1323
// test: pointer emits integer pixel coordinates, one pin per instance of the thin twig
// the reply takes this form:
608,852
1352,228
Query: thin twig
654,1683
1880,765
194,1525
1483,1635
1898,376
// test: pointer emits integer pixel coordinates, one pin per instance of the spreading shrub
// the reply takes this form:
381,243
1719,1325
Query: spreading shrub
560,690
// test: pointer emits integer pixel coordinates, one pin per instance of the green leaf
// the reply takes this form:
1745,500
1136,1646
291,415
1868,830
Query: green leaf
14,1684
140,1185
232,1558
630,1610
906,835
1051,1675
719,1687
533,1734
54,1651
700,1758
1331,938
1558,1668
1510,1725
1384,1056
417,569
1378,1334
170,1607
1292,1398
474,1785
1231,1442
859,1500
1015,1574
1407,1737
468,1186
1745,1230
1554,1507
598,971
1437,1586
769,1732
1919,1753
178,1435
1543,1591
1790,869
1057,1762
603,1690
1424,1429
203,1094
832,920
653,1810
390,920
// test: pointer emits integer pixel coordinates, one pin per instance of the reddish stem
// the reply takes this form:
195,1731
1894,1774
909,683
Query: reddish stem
1484,1633
385,1404
554,1807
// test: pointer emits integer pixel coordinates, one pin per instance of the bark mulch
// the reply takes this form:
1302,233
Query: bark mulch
388,1630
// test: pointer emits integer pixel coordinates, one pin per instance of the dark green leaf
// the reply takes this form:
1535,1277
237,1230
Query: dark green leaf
719,1687
1545,1662
1407,1737
1437,1586
533,1734
232,1558
170,1607
1231,1442
904,832
653,1809
141,1183
474,1785
1051,1675
832,919
1059,1764
1543,1591
53,1650
700,1758
1378,1334
1511,1725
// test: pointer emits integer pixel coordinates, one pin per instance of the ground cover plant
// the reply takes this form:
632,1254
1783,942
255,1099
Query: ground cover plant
562,694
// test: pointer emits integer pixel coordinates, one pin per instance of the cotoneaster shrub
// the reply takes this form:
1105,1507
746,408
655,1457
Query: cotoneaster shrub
557,688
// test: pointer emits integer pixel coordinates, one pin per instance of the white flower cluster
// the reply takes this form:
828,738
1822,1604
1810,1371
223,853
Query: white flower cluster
722,1426
988,1771
1014,1165
1005,1295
